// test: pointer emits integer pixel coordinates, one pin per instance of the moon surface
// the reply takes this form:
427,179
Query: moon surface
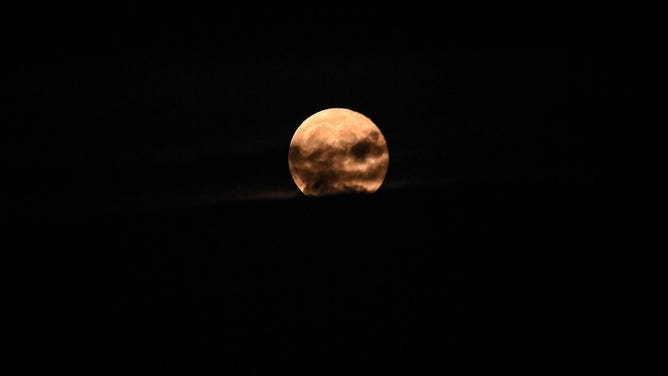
338,151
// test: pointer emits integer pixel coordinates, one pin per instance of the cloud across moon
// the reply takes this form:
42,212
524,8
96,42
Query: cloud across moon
338,151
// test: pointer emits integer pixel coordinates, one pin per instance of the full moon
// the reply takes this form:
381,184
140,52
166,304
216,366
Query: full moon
338,151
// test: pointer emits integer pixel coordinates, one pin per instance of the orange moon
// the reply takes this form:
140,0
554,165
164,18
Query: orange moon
338,151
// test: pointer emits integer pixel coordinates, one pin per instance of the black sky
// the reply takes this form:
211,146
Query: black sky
175,91
521,226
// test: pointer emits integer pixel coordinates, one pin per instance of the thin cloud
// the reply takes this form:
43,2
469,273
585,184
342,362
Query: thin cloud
340,168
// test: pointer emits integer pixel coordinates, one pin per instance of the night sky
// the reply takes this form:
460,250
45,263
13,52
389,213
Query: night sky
521,226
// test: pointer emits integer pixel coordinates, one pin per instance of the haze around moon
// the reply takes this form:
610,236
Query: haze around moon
338,150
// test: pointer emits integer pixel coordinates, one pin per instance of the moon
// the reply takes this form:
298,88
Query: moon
338,150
